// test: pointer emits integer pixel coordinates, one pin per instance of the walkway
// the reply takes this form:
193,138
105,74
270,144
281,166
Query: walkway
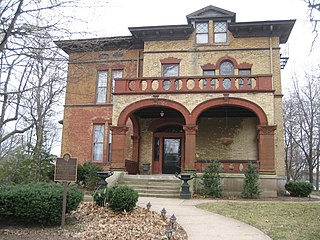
203,225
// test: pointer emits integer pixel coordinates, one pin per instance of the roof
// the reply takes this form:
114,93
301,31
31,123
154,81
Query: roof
210,12
158,33
99,44
279,28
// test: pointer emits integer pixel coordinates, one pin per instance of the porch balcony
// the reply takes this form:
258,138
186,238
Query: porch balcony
194,84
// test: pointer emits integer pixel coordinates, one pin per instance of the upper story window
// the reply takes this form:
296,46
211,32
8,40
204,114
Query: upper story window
170,70
209,72
220,32
102,86
202,32
226,68
244,71
98,142
115,74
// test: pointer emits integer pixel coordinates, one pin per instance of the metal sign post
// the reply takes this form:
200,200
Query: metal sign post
66,172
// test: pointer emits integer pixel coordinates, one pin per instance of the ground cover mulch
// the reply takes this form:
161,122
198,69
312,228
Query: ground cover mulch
90,221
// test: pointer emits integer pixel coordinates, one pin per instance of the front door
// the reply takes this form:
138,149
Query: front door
171,158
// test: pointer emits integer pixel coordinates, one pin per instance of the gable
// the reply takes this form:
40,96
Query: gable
211,12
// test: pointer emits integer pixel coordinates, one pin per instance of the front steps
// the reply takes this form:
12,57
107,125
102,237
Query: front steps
164,186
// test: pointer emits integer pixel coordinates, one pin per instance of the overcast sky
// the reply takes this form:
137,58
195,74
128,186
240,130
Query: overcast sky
115,16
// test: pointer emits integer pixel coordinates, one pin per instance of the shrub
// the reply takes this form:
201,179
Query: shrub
211,180
299,189
251,186
37,202
86,175
123,198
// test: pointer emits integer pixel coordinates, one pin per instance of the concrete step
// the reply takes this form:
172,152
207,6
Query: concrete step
167,186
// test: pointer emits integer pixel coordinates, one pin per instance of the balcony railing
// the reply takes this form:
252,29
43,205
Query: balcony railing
146,85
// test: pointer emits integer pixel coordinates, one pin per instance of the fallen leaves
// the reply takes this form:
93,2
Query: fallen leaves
103,223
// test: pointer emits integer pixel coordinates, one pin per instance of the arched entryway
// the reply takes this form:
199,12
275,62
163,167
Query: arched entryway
158,135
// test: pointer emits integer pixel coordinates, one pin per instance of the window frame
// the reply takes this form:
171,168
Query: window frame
100,97
113,81
224,74
170,64
96,142
201,33
224,33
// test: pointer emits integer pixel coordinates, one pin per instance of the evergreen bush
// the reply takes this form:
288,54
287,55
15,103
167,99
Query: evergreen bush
212,181
251,188
37,202
123,198
299,189
87,175
102,196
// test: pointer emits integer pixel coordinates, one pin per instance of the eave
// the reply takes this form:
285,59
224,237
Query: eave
281,29
99,44
165,33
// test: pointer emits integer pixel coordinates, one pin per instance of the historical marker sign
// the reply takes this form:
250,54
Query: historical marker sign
66,169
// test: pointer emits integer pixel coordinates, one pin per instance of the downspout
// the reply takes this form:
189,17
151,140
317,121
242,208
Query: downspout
271,55
138,64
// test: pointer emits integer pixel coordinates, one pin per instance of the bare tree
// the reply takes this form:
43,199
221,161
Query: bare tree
302,121
314,16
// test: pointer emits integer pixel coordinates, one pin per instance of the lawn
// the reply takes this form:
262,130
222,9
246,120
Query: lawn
279,220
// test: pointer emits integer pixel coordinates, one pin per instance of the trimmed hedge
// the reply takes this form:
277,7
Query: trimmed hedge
299,189
122,198
38,202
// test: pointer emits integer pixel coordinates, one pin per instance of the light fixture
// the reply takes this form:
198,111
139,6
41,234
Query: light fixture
148,206
163,212
169,233
173,220
162,113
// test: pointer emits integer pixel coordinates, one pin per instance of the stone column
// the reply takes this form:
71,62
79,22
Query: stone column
190,147
118,147
266,148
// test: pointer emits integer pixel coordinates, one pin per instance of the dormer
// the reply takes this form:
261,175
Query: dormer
210,12
211,25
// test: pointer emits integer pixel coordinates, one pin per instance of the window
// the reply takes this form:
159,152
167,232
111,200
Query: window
212,81
202,33
244,71
109,145
98,141
115,74
220,32
156,154
170,70
226,68
102,86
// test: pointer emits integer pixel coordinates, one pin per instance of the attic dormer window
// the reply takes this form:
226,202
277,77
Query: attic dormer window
202,33
220,32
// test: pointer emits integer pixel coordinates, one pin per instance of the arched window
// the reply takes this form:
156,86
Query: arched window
226,68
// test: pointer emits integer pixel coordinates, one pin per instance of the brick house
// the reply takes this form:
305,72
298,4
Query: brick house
176,97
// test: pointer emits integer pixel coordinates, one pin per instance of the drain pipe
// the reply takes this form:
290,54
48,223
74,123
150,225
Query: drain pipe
271,54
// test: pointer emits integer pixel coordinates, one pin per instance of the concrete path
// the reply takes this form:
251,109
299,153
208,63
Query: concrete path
203,225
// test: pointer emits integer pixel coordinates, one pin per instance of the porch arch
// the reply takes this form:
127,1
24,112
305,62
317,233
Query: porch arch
126,112
263,120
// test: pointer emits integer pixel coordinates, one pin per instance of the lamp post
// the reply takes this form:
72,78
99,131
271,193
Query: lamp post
163,212
169,233
173,220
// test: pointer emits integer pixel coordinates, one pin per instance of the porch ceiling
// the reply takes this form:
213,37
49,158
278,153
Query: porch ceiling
218,112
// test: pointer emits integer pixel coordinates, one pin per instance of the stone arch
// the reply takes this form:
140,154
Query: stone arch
227,58
160,123
263,120
127,111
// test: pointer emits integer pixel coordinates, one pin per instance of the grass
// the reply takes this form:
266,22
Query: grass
279,220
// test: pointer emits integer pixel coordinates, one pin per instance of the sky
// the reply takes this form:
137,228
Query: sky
113,17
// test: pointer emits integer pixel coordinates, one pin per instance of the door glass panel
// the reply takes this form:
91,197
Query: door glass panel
171,155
